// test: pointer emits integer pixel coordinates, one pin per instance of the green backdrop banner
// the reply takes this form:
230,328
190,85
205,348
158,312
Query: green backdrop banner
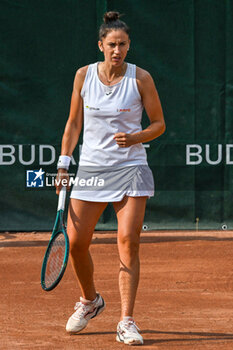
187,47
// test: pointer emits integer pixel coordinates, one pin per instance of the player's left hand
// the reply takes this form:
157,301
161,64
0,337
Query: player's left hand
123,139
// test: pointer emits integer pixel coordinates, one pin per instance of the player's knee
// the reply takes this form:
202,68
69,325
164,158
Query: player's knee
129,245
78,247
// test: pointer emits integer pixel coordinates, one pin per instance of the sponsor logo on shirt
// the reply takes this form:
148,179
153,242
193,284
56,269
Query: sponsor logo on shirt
124,110
92,108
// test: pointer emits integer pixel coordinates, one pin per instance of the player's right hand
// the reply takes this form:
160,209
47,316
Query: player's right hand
62,179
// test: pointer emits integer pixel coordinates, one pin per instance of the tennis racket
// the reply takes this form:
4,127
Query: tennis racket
57,253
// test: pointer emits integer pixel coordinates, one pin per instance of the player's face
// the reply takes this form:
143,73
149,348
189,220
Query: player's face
115,46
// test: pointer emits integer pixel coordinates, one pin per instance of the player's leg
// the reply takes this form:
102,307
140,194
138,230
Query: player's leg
82,219
130,214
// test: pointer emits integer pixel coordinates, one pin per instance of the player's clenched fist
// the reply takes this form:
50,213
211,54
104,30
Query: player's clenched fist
123,139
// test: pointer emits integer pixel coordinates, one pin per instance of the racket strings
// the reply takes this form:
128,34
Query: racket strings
55,260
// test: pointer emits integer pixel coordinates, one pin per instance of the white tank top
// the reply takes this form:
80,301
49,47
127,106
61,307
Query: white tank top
108,110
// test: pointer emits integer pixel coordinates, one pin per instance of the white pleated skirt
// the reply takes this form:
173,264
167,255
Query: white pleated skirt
111,184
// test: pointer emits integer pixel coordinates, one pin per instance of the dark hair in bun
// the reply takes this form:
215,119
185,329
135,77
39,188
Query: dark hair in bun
112,22
111,16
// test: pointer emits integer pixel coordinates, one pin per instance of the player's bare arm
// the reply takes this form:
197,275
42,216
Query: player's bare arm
151,102
74,123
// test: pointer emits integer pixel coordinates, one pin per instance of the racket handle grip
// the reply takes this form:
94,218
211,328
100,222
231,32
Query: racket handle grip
61,199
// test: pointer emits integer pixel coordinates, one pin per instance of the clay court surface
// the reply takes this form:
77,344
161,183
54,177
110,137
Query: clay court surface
185,296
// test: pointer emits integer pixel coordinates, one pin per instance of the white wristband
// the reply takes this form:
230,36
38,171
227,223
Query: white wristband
63,162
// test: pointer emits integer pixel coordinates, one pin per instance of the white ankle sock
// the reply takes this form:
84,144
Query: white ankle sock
127,318
86,301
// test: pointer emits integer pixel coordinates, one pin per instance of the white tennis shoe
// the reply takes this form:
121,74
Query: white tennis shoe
84,312
127,333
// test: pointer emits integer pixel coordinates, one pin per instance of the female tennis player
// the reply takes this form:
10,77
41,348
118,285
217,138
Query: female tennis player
110,96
